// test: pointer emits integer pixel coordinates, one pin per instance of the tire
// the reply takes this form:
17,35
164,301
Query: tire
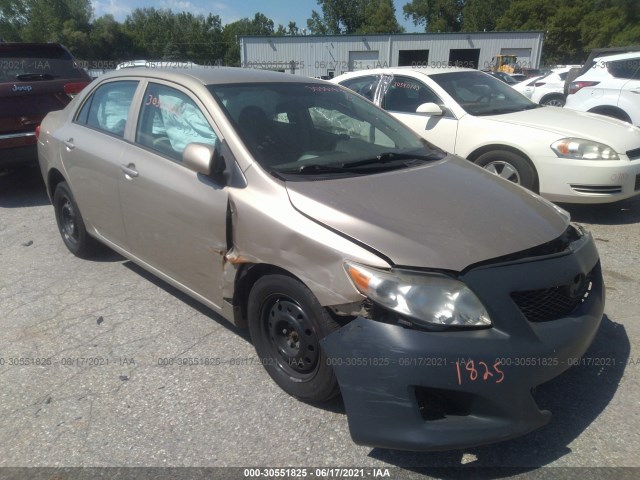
70,223
509,166
553,101
286,323
613,113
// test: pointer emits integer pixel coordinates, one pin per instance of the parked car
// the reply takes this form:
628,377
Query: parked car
527,87
35,78
566,156
519,77
505,77
362,259
549,90
596,53
610,87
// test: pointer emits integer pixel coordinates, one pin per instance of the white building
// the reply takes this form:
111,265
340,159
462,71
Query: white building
330,55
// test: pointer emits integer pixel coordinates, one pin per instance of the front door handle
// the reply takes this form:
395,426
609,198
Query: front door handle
69,144
129,170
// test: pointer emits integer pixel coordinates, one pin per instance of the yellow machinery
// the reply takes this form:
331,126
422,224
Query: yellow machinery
506,63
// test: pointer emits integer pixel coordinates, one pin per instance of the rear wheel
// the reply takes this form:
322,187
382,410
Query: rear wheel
510,166
70,223
553,101
613,113
286,323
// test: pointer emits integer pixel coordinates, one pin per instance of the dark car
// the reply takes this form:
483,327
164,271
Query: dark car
505,77
35,78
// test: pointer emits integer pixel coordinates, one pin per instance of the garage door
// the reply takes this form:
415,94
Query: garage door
523,54
363,60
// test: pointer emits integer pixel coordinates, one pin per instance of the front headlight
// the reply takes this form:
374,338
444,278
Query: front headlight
428,300
581,149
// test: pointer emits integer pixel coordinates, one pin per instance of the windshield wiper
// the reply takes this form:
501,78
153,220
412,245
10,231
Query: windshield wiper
499,111
34,76
387,157
354,167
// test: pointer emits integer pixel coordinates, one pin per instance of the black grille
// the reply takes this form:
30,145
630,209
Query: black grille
633,154
556,302
637,187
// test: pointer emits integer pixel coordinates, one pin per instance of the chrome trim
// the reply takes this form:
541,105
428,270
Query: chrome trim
17,135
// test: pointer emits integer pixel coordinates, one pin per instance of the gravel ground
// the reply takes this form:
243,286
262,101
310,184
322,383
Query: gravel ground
106,399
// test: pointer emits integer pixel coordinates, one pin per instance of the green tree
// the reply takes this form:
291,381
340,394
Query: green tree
45,20
108,41
157,34
614,23
482,15
316,24
435,15
150,30
259,25
354,16
559,19
380,17
293,29
13,18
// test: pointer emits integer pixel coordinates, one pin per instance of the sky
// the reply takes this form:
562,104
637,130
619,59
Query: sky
280,11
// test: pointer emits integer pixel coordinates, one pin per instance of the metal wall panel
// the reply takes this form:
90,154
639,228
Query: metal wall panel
316,55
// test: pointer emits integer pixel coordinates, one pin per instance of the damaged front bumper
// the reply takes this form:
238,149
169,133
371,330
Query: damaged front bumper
419,390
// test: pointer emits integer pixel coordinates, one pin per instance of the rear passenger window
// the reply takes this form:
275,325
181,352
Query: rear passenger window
169,120
623,68
108,107
365,86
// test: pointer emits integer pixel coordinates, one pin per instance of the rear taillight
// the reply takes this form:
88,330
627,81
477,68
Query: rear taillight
38,132
72,89
576,86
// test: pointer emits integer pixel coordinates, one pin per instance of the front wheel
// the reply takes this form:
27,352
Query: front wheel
286,323
510,166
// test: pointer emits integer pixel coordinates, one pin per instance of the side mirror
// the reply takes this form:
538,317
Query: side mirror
206,159
429,109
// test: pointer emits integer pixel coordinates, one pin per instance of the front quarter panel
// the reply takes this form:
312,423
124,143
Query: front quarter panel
266,229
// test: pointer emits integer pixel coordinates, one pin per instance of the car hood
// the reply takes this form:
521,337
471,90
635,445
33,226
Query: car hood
569,123
445,215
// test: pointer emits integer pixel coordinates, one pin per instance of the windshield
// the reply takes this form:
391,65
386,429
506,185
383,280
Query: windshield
37,62
311,128
480,94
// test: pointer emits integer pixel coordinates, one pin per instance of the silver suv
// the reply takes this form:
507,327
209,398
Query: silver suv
610,87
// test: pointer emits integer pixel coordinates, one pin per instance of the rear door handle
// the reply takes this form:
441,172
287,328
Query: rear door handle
129,170
69,144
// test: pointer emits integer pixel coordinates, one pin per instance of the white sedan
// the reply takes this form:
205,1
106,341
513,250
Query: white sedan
565,156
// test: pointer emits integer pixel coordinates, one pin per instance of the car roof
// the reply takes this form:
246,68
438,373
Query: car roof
207,75
428,71
619,56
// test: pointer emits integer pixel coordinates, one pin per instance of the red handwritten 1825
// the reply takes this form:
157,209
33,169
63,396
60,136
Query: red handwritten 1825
468,371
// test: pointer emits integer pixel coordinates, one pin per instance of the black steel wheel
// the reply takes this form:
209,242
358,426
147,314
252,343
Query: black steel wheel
286,323
70,223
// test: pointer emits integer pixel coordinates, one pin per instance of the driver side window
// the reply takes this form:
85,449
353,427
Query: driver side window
169,120
406,94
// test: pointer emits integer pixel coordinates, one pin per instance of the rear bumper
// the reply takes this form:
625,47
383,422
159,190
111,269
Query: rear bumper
416,390
18,149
